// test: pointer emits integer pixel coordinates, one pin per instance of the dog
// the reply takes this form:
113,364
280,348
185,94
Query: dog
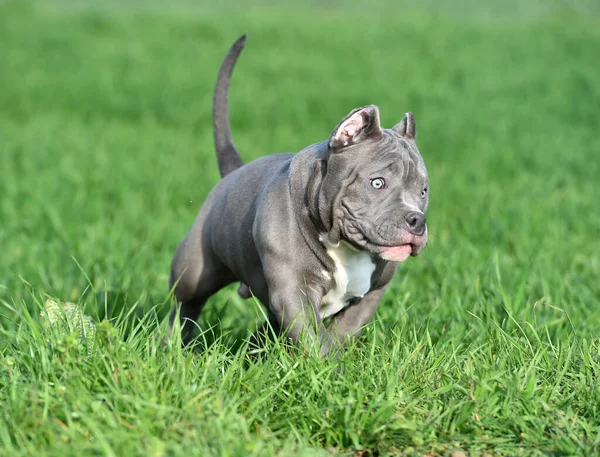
316,236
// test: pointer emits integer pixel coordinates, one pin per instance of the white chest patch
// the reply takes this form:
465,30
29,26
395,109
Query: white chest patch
352,276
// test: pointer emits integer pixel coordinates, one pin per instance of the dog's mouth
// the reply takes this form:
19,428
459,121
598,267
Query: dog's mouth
409,245
395,251
388,240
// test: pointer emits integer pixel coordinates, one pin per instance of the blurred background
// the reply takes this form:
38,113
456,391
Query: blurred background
106,149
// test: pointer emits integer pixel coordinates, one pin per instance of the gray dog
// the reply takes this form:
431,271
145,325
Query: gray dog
316,236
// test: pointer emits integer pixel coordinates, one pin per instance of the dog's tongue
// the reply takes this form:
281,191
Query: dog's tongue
397,253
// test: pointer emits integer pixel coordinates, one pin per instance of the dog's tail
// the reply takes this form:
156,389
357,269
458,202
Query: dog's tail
227,154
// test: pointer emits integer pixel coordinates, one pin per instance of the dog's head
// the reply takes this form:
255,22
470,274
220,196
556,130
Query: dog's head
375,189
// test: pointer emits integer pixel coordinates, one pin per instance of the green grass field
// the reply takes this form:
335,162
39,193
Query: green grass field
487,343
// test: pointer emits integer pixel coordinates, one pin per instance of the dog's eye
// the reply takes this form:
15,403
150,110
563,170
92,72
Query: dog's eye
378,183
424,192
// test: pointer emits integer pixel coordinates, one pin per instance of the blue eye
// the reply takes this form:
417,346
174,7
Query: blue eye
378,183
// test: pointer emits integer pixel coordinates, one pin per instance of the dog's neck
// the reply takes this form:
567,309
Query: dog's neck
308,169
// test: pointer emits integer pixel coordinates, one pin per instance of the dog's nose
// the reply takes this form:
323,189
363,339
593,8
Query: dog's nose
416,222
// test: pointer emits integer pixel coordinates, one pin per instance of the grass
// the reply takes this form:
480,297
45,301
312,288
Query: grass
487,343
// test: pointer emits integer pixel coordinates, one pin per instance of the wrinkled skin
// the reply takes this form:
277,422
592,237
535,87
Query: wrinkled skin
375,219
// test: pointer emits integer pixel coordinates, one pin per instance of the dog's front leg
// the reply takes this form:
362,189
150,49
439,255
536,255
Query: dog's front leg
349,323
295,311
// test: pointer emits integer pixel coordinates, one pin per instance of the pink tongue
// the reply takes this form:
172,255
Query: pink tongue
397,253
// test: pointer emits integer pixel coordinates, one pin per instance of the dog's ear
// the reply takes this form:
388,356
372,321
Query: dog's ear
407,127
359,125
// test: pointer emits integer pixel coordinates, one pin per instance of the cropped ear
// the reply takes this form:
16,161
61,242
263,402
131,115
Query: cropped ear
407,126
359,125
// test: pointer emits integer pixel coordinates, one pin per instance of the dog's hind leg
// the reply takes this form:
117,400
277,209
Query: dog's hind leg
196,274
